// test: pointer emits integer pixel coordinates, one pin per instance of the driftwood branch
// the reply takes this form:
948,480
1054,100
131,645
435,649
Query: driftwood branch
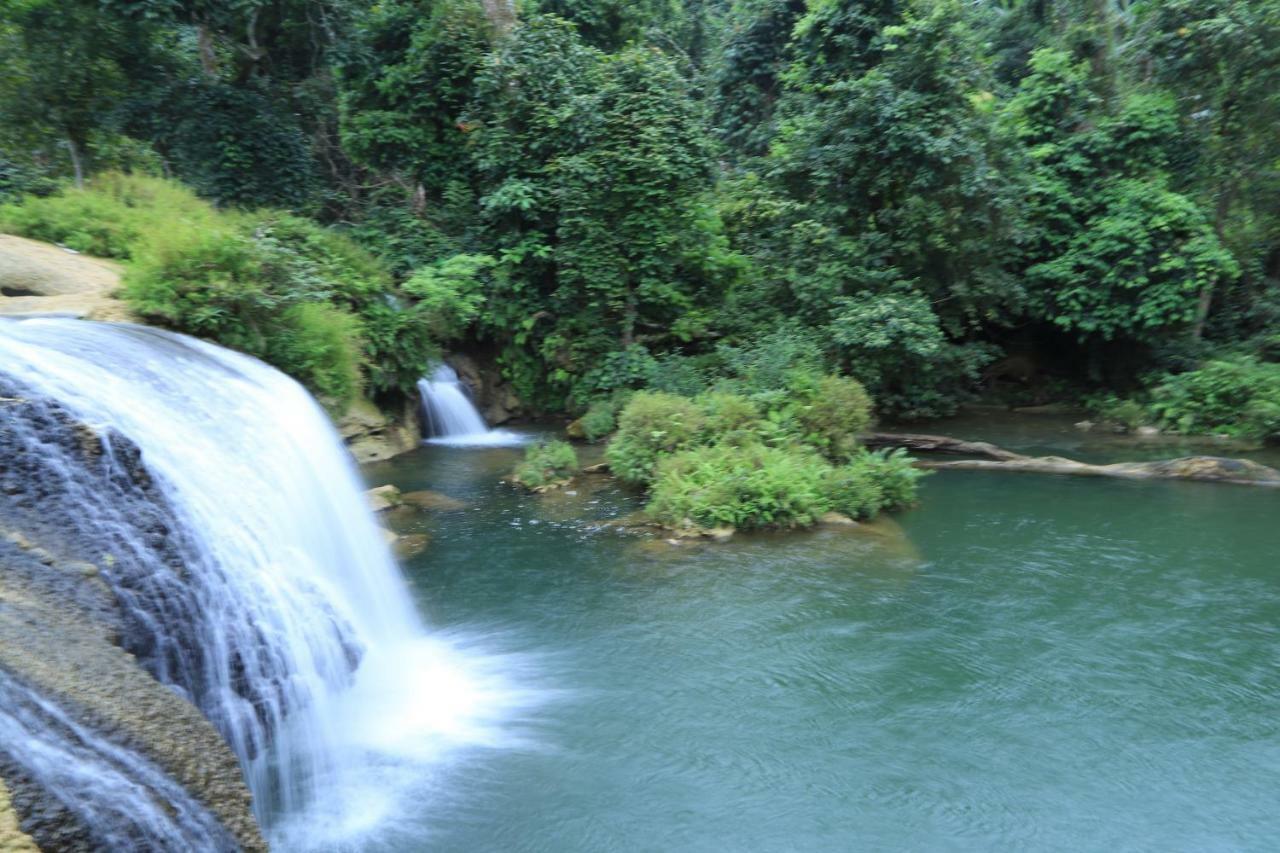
1216,469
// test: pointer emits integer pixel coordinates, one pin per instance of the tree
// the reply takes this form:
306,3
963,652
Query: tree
62,74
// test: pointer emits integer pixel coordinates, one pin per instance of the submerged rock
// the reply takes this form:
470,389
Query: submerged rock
383,498
410,545
426,499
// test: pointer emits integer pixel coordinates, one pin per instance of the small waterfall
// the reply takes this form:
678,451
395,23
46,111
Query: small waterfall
450,416
261,588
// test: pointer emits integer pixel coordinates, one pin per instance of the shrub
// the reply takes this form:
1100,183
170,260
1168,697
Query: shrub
1238,396
272,285
319,344
895,344
897,477
768,363
546,463
744,487
600,419
727,414
829,412
652,424
449,293
853,489
1126,415
629,368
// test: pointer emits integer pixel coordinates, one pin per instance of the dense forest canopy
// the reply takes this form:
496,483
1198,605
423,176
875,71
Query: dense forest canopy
932,196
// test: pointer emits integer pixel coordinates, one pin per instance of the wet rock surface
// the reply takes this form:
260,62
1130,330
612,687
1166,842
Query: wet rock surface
78,508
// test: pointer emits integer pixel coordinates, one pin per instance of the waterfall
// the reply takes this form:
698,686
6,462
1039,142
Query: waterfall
257,583
105,785
450,416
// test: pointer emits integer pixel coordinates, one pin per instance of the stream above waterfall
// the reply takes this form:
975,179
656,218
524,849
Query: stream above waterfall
1021,663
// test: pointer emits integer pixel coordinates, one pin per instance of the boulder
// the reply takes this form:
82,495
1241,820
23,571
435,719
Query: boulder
372,436
383,498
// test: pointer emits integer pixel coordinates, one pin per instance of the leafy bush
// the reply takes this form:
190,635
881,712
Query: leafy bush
449,293
320,343
871,482
111,217
1123,414
1238,396
893,471
629,368
895,344
601,418
652,424
769,363
829,412
729,413
272,285
744,487
546,463
853,489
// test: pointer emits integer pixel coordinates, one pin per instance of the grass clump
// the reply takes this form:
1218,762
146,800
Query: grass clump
111,217
546,464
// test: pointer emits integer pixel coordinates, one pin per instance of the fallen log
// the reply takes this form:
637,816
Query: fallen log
1216,469
938,444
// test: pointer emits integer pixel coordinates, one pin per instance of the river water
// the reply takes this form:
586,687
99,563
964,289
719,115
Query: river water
1021,663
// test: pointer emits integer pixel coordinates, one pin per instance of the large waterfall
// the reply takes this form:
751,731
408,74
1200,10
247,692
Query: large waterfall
450,416
262,590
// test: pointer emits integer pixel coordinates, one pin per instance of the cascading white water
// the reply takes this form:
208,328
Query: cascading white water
131,802
282,616
450,416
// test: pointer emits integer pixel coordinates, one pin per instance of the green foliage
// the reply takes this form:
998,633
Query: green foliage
729,415
405,84
449,294
1237,396
320,344
650,426
231,143
829,412
753,485
742,486
1136,267
1124,414
110,217
675,196
600,419
546,463
896,346
871,482
272,285
592,172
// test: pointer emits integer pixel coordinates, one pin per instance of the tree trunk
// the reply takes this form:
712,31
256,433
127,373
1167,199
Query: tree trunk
204,46
77,161
501,15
